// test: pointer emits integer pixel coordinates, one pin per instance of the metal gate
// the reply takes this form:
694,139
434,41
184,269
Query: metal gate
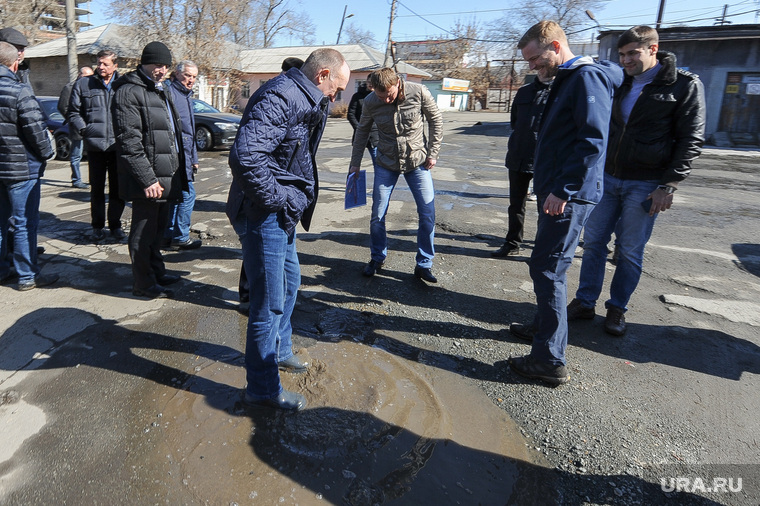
740,112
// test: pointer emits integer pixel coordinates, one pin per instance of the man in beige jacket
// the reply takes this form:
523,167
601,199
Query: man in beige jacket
399,110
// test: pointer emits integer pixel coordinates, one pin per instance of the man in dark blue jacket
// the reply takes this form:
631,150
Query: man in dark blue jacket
25,147
657,131
567,178
177,233
89,114
274,187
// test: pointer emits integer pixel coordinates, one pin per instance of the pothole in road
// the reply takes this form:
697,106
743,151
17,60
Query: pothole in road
378,429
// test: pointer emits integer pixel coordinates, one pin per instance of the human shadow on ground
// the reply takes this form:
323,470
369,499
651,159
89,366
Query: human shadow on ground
344,456
355,458
700,350
749,257
489,128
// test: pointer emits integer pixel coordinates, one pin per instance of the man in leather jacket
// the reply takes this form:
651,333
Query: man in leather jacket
656,132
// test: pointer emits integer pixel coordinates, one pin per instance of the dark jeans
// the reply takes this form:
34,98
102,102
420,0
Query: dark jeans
519,183
271,263
20,205
145,235
102,164
556,240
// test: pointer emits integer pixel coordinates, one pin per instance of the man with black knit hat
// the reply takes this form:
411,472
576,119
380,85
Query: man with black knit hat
150,153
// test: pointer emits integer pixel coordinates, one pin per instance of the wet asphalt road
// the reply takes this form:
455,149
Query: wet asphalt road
98,380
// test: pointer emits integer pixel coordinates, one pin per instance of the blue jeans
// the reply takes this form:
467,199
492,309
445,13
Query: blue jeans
271,264
420,183
75,159
556,240
20,204
620,211
178,227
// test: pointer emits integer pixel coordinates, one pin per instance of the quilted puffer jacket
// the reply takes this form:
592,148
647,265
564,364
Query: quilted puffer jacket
273,156
148,139
89,112
24,141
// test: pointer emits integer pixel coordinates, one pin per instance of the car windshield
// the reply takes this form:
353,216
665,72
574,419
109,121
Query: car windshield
51,109
199,106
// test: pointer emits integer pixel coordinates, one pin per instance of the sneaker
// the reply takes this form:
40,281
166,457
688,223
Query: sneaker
523,331
371,268
530,368
118,234
614,323
507,250
98,234
532,197
577,311
80,185
39,281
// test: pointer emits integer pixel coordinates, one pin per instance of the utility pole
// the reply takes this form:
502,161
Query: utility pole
722,20
389,50
660,12
71,39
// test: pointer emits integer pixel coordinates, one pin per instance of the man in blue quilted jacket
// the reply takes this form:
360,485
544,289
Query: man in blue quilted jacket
25,147
274,188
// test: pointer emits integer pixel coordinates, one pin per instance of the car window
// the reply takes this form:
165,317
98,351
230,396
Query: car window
199,106
51,109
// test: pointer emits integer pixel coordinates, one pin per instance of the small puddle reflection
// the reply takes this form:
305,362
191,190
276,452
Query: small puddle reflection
378,429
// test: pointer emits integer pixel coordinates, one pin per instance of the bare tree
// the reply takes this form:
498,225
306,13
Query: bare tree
569,14
356,35
27,16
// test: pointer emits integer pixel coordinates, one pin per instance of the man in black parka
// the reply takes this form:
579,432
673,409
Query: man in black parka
149,153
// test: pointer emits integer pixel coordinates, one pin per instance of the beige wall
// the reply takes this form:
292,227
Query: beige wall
255,79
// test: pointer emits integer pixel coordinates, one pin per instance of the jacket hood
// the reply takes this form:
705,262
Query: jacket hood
135,77
613,71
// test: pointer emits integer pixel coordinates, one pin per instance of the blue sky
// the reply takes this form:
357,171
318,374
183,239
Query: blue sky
433,18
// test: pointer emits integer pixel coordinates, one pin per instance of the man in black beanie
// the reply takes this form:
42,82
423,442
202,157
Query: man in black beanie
149,154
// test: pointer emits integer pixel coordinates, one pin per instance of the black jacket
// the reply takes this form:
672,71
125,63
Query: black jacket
63,108
525,117
666,128
24,141
354,114
89,112
147,149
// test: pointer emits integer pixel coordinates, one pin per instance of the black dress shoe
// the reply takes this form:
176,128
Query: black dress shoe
294,364
507,250
425,274
523,331
371,268
118,234
167,279
153,292
287,401
188,244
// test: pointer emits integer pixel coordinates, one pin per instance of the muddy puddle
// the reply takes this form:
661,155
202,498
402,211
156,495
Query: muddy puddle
378,430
